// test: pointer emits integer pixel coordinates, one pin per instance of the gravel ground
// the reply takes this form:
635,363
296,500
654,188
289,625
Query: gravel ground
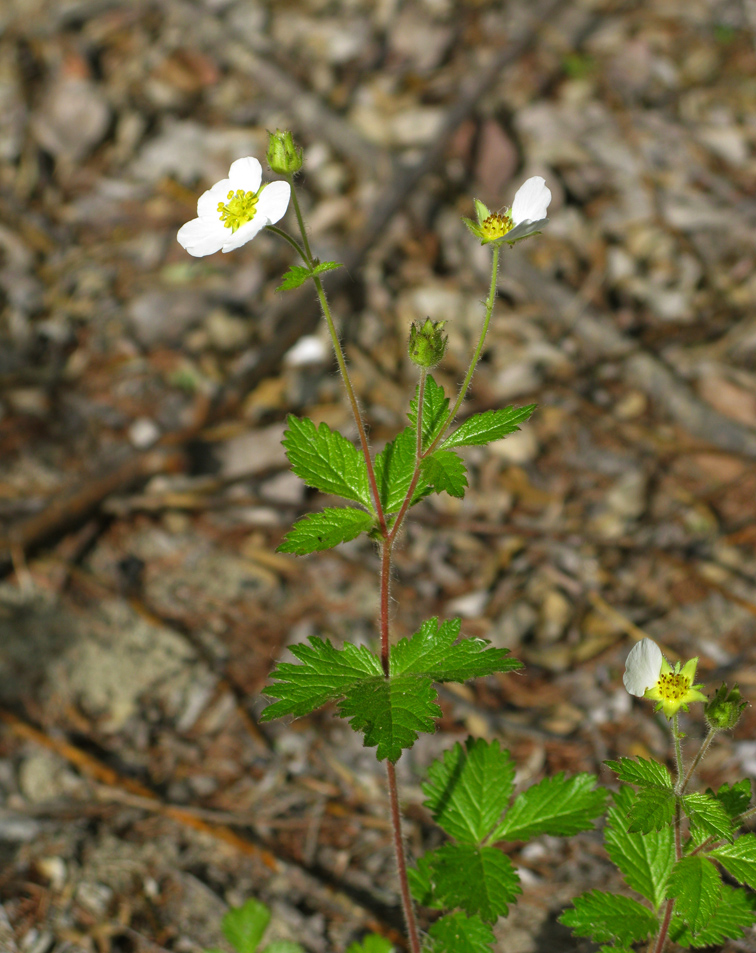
143,489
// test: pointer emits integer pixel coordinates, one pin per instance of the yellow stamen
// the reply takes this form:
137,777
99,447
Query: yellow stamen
672,687
240,209
496,226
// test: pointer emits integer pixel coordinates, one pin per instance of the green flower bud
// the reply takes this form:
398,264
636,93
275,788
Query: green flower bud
283,156
724,710
427,343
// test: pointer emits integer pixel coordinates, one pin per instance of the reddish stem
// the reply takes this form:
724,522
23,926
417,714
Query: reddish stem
401,861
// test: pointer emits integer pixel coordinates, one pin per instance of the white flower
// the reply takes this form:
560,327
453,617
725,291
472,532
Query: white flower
234,210
526,217
529,208
642,667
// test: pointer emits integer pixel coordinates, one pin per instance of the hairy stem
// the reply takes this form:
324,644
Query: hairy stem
698,758
401,861
658,943
490,301
341,360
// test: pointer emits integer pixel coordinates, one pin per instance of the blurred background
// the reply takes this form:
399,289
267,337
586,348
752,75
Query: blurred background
143,488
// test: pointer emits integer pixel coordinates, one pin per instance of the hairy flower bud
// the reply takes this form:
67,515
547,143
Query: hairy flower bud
723,711
283,156
427,343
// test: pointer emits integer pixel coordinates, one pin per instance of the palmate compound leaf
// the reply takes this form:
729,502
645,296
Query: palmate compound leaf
434,650
641,772
435,411
735,798
652,810
371,944
244,926
558,806
324,530
696,887
391,712
326,674
469,788
480,880
645,860
458,933
394,469
708,815
490,425
610,918
445,471
739,859
326,460
736,911
298,274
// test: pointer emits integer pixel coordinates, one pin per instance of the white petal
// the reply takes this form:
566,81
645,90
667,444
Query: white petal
207,204
244,234
642,667
202,236
273,201
245,174
524,229
531,201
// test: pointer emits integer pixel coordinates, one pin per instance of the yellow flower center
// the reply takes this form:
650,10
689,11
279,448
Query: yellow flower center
672,687
496,226
239,210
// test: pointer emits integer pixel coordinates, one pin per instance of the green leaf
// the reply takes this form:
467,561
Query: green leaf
645,860
244,926
297,274
642,772
326,460
434,651
696,887
394,469
372,943
708,815
391,712
469,788
735,798
284,946
458,933
609,918
445,470
652,810
326,673
739,859
481,880
736,910
558,806
490,425
294,277
324,530
435,411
